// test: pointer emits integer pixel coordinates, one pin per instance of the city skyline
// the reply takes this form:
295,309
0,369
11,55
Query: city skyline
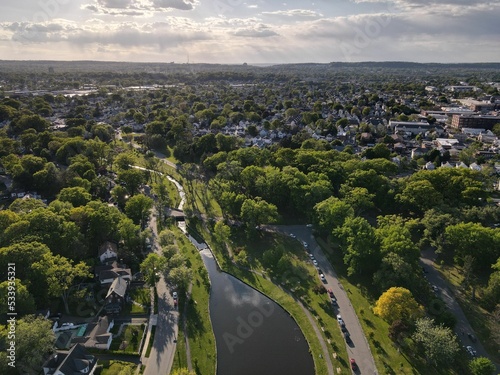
255,32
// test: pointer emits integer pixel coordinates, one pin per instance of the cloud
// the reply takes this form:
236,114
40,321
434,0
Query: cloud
294,13
255,32
174,4
138,7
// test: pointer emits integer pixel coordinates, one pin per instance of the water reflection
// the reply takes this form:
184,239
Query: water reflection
254,335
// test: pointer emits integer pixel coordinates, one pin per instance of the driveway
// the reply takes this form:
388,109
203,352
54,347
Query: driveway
358,348
445,293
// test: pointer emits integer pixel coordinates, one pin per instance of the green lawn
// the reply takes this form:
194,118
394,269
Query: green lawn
129,340
142,296
117,368
199,328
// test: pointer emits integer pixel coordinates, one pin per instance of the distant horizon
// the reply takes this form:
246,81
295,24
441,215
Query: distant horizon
264,64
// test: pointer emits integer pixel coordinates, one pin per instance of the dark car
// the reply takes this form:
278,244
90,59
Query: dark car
354,365
472,337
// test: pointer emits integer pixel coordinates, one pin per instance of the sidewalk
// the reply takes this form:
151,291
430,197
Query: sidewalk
153,320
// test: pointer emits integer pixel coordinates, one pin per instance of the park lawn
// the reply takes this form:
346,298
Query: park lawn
199,327
180,358
129,340
200,199
388,358
483,322
117,367
262,282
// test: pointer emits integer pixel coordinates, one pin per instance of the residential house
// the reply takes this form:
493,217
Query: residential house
429,166
107,273
117,296
76,361
97,334
107,250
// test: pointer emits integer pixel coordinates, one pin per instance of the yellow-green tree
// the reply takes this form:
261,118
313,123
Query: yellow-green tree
397,303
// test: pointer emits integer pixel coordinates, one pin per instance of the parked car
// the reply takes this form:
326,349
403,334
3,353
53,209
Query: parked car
322,277
471,350
293,235
347,336
315,262
340,321
472,337
354,365
309,225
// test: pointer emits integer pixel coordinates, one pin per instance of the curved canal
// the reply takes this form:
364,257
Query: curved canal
254,335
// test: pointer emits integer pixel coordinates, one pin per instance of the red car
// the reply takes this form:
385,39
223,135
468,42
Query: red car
354,366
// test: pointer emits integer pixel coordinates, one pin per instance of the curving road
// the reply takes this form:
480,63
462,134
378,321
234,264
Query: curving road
463,326
358,348
165,341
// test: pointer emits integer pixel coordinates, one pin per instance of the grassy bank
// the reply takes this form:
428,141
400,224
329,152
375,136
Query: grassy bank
304,285
199,329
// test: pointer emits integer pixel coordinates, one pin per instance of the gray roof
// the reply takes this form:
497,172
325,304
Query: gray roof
72,362
118,286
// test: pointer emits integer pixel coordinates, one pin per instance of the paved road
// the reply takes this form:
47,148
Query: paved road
358,348
445,293
162,353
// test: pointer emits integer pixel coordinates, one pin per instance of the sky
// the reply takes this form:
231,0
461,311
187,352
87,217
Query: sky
252,31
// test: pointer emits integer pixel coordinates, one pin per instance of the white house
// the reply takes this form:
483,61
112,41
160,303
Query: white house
108,250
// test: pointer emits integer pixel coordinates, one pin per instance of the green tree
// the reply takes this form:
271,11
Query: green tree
25,303
439,344
77,196
166,237
181,277
34,342
482,243
397,304
132,179
60,275
360,246
221,232
183,371
332,213
419,196
138,209
482,366
152,267
258,211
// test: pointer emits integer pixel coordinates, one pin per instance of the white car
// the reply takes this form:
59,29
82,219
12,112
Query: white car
309,225
315,262
471,350
322,277
293,235
174,295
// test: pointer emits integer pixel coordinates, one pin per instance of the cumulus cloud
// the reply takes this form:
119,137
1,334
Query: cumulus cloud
294,13
256,32
175,4
138,7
